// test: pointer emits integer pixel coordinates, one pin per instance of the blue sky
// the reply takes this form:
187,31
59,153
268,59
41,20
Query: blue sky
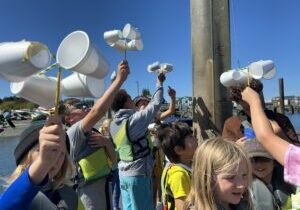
260,29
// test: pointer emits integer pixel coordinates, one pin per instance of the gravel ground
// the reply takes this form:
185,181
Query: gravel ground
12,132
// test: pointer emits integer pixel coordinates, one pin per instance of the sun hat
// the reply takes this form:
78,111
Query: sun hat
29,138
137,99
255,149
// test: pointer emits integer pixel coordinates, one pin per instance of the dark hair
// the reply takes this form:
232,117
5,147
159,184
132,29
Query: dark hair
171,135
119,100
235,92
72,101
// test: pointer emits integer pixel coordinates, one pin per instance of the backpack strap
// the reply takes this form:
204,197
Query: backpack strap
144,150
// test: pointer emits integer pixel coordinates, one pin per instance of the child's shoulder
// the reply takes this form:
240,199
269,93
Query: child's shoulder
178,169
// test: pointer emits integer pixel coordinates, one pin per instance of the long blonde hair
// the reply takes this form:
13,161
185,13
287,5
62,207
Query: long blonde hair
63,177
212,158
104,128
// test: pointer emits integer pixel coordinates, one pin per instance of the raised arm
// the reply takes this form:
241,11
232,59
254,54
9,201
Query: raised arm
52,147
140,120
275,145
102,105
171,109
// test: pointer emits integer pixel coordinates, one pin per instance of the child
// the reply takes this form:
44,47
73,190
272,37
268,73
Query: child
268,190
43,169
220,178
179,145
285,153
114,176
141,103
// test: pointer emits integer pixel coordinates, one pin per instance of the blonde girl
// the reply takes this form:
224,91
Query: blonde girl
43,170
221,174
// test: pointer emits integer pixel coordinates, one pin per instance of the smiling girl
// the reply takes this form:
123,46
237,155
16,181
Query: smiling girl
220,177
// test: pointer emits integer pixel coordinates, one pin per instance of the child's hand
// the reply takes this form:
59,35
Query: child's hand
161,78
249,95
241,141
97,140
172,92
52,142
123,71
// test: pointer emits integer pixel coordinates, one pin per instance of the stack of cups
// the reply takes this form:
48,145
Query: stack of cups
19,60
78,54
117,39
232,78
38,89
79,85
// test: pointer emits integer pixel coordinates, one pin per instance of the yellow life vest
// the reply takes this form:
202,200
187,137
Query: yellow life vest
130,150
96,165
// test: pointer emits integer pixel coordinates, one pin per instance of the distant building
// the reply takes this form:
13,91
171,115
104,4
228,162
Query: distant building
184,103
288,101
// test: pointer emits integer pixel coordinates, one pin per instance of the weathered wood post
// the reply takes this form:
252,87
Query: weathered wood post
210,57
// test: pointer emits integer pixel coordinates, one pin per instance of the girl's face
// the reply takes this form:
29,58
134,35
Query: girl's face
262,167
56,168
231,186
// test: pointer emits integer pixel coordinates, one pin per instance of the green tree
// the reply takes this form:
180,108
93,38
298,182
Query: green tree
146,92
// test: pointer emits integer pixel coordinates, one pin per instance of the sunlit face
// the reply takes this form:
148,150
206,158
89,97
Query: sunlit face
75,115
56,168
231,186
191,144
142,104
262,167
129,103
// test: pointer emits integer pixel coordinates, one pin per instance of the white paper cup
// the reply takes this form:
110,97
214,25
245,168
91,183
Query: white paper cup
19,60
129,32
76,52
153,67
120,45
262,69
79,85
37,89
136,44
113,36
166,68
232,78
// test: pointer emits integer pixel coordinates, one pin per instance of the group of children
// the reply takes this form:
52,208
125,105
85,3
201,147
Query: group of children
217,174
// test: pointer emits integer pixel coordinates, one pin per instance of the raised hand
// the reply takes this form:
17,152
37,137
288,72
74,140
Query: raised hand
97,140
123,70
161,78
250,96
52,150
171,92
52,141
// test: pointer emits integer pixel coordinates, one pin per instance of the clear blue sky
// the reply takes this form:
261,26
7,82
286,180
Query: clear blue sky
260,29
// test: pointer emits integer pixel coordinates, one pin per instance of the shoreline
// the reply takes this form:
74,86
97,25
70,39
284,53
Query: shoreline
14,132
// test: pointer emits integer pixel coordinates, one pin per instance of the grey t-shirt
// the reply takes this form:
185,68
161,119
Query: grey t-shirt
92,194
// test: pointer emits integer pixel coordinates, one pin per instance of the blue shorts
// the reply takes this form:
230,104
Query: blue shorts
136,192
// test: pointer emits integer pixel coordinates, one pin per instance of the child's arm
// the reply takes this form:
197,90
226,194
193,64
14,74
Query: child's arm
102,105
171,109
179,203
276,146
96,140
